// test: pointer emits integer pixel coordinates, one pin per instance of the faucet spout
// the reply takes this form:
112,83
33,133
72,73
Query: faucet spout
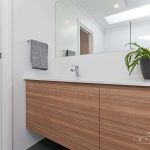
76,70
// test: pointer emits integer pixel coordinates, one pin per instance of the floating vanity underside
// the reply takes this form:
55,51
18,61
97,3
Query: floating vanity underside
83,116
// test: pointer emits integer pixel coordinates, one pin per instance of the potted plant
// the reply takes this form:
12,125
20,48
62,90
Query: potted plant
140,56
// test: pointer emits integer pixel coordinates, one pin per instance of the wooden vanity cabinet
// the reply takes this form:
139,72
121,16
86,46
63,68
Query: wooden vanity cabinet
66,113
90,117
124,118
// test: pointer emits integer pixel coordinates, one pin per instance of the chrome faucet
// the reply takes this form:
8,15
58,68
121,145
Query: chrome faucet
76,70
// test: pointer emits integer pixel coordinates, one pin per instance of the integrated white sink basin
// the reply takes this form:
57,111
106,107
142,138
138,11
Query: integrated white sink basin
130,82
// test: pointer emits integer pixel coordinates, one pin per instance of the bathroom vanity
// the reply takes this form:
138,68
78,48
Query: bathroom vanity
90,116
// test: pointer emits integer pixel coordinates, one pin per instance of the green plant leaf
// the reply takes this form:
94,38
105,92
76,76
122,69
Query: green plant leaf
134,44
133,65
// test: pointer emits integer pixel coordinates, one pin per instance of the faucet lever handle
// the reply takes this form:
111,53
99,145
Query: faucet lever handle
76,67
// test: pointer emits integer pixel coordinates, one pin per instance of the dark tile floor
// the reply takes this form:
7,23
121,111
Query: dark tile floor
46,144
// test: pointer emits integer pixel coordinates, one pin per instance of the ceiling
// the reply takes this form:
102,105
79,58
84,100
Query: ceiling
98,9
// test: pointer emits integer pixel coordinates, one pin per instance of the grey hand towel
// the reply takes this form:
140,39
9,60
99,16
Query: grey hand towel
70,53
39,55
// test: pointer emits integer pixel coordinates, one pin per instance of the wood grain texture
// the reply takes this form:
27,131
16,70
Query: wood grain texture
124,118
66,113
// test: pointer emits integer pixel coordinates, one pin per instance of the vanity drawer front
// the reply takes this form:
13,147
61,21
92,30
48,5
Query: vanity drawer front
124,118
66,113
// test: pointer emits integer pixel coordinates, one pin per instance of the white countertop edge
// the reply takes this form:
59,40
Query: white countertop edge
142,82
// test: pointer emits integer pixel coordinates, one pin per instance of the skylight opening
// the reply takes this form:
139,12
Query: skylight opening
129,15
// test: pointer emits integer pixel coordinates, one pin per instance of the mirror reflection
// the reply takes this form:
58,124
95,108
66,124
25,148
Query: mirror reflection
95,26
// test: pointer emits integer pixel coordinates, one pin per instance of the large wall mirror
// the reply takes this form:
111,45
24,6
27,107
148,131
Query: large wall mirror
95,26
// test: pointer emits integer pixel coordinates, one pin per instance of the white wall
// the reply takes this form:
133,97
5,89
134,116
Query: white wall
32,19
68,17
107,66
141,29
115,38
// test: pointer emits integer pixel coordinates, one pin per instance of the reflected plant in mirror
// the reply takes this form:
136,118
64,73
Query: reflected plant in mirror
96,26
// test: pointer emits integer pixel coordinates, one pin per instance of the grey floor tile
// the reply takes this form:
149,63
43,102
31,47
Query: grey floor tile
46,144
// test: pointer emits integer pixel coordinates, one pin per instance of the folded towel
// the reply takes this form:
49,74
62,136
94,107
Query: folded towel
70,53
39,55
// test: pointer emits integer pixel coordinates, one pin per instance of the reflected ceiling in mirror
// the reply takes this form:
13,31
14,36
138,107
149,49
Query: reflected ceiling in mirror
95,26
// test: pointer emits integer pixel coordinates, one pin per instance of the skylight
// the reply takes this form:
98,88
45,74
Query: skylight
129,15
145,37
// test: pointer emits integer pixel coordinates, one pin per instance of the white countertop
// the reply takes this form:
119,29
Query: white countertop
139,82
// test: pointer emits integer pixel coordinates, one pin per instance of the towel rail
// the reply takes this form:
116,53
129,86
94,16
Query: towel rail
29,41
